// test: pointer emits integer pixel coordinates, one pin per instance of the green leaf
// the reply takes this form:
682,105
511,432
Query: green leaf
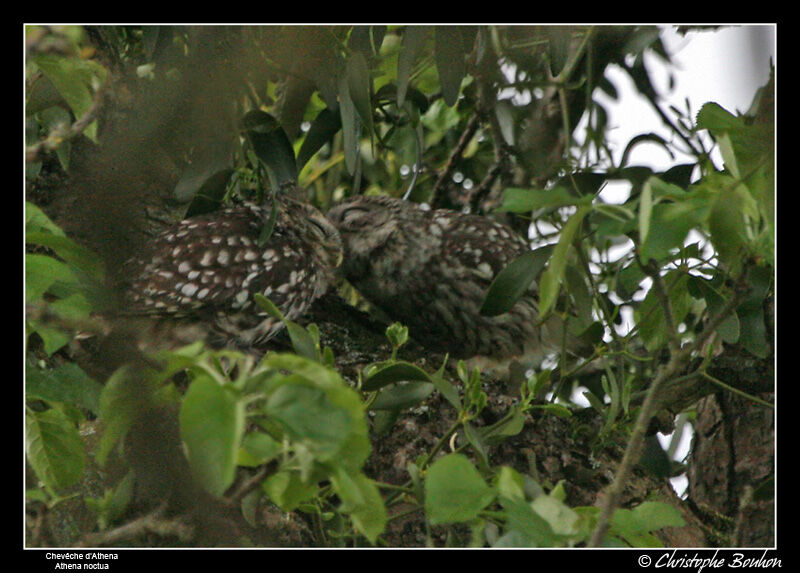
561,518
525,527
351,126
729,328
323,128
513,281
402,396
258,448
287,489
113,504
450,64
359,87
751,312
46,274
652,321
645,211
414,39
271,146
516,200
362,501
671,220
54,448
455,491
268,306
551,278
205,179
76,255
53,338
395,372
37,221
307,414
635,525
212,425
728,222
354,447
72,77
66,383
510,484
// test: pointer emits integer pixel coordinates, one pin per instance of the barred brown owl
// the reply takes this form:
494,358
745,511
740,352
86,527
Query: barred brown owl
201,274
430,270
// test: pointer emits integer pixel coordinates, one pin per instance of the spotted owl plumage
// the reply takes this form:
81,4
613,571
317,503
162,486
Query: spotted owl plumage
430,269
201,274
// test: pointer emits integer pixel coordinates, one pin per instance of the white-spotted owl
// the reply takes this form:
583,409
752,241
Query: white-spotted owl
430,270
201,274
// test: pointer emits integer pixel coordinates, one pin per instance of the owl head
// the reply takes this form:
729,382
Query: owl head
368,225
317,230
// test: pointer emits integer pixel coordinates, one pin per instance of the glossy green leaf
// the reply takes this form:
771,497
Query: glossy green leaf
450,62
395,372
212,425
550,283
46,274
271,146
729,329
72,77
636,525
66,383
402,396
517,200
359,87
302,342
454,490
513,281
414,39
751,312
362,501
78,256
351,126
287,489
268,306
258,448
524,527
322,129
652,323
645,211
54,448
37,220
307,414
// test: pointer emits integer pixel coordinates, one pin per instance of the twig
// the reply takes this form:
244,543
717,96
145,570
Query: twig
252,483
56,138
150,523
677,362
480,192
736,391
455,157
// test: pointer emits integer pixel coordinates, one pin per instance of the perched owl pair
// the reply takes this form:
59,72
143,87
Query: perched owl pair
428,269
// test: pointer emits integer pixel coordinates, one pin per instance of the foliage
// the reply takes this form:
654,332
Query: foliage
411,110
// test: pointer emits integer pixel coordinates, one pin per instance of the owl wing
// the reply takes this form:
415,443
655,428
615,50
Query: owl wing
480,246
212,263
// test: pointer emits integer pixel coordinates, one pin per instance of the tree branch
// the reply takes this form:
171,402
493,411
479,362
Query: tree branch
678,361
455,157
